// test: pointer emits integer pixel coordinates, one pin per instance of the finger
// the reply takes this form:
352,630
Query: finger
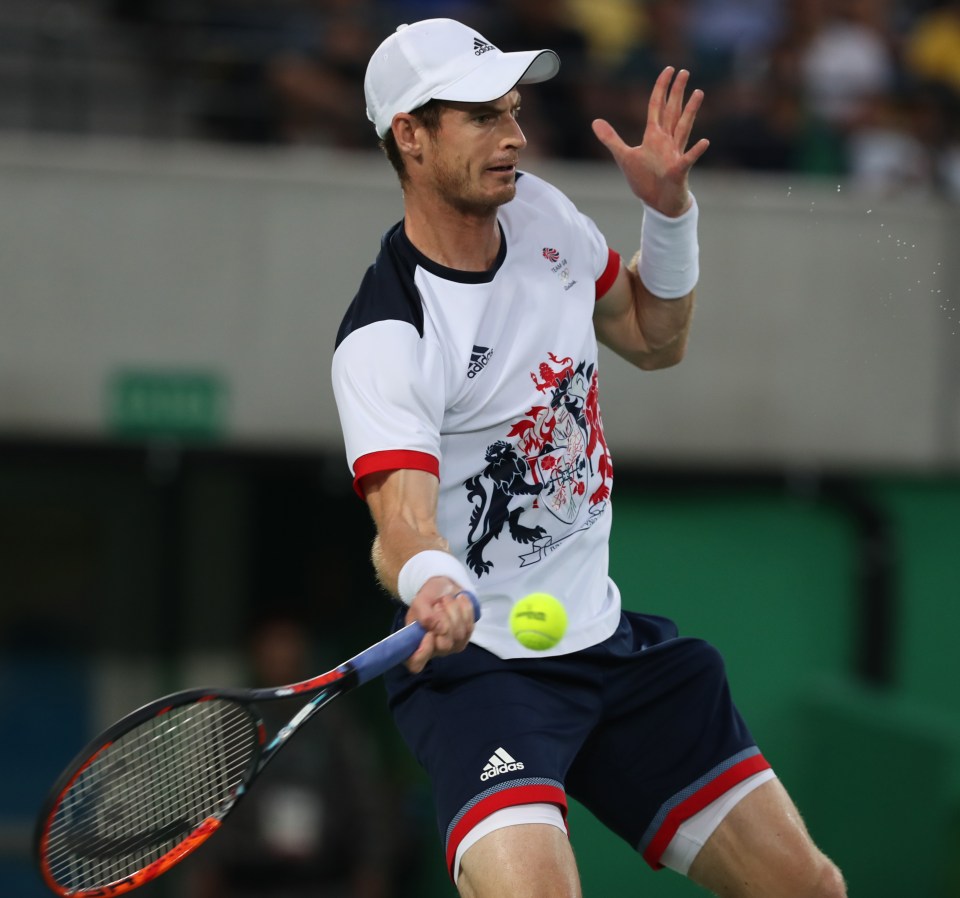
674,105
424,652
457,625
685,125
695,152
463,609
658,96
466,606
424,613
608,136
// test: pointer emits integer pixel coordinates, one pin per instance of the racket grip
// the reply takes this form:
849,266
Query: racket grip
397,647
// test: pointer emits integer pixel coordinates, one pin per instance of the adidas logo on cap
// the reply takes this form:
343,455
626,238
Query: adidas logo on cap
481,46
500,762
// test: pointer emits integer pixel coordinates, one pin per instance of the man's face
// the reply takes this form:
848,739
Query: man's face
472,158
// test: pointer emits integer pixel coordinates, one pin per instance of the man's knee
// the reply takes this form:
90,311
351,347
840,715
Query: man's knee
804,877
813,875
523,861
830,882
762,849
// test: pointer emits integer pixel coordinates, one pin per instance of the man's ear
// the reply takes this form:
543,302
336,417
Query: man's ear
405,133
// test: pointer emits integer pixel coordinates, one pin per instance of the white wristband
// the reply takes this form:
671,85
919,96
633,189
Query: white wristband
430,563
669,263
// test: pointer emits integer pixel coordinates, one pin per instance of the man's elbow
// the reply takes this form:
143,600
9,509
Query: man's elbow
664,357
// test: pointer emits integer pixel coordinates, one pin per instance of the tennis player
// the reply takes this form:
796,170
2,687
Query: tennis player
466,377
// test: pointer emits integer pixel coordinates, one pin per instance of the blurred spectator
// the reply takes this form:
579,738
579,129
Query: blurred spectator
746,62
869,88
816,79
932,51
610,28
315,84
285,71
932,61
664,40
846,64
314,826
554,117
890,151
731,31
759,127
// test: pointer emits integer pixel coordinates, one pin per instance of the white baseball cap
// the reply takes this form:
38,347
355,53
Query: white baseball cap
441,59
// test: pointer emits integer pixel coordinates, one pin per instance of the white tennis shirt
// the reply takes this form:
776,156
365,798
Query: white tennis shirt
489,381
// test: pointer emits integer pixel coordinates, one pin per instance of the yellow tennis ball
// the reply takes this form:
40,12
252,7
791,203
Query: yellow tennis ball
538,621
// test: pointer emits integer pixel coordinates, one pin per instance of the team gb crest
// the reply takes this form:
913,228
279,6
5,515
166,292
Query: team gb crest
558,456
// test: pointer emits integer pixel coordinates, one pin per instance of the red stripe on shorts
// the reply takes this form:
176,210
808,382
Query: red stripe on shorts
507,798
697,802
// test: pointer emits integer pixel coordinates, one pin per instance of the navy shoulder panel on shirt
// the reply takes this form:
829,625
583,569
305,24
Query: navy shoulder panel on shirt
387,291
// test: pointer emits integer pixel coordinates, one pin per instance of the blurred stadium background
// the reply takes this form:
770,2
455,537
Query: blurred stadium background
190,195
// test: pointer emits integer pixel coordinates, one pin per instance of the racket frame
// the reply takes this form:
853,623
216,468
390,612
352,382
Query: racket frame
367,665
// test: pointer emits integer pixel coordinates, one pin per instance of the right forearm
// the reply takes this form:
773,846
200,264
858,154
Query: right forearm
389,555
409,549
413,561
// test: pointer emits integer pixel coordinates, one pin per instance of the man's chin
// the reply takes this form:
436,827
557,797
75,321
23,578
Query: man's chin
489,201
504,193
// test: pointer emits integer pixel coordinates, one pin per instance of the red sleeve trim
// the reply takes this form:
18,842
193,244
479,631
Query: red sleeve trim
605,281
697,802
392,460
506,798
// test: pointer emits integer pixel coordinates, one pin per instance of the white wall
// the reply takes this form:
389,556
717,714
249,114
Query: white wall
826,332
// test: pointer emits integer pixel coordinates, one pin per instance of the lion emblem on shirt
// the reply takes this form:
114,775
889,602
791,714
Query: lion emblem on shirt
503,478
559,451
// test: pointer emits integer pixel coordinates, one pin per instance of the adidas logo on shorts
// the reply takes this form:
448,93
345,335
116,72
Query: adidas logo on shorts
500,762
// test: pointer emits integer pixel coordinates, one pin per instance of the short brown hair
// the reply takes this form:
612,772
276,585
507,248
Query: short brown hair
429,116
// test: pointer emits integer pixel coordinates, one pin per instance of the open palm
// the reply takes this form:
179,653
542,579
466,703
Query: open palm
657,170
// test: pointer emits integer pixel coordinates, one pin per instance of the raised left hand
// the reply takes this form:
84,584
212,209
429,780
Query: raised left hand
657,170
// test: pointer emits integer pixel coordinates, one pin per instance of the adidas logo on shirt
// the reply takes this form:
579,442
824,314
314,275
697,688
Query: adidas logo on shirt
479,357
500,762
480,47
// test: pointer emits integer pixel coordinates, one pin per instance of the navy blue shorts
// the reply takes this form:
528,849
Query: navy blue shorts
640,729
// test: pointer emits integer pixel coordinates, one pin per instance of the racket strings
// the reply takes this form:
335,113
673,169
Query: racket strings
145,793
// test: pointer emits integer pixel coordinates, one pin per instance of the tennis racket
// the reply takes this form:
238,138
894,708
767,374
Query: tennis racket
157,784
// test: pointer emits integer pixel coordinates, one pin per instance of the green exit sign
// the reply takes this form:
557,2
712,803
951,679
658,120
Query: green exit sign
187,405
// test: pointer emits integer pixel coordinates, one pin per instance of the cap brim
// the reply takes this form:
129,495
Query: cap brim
497,76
